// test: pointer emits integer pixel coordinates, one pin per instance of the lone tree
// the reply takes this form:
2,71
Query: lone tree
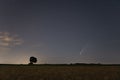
32,60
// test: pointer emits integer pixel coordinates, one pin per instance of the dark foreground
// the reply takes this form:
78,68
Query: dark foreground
48,72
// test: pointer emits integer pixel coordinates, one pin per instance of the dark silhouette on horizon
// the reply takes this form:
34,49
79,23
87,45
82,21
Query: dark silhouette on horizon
32,60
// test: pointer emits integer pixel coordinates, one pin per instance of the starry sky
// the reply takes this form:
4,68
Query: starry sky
60,31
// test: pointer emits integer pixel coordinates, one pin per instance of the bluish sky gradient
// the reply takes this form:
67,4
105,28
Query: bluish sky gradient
61,31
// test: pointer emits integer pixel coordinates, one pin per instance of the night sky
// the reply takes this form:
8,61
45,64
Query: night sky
60,31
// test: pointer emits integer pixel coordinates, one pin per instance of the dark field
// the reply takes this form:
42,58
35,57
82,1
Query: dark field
45,72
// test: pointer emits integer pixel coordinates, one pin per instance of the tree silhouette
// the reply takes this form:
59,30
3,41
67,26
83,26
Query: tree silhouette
32,60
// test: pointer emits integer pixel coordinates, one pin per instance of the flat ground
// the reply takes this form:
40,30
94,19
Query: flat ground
19,72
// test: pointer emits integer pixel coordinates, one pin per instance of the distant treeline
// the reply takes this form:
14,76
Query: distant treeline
71,64
82,64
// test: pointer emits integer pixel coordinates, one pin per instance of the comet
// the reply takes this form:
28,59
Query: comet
83,49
